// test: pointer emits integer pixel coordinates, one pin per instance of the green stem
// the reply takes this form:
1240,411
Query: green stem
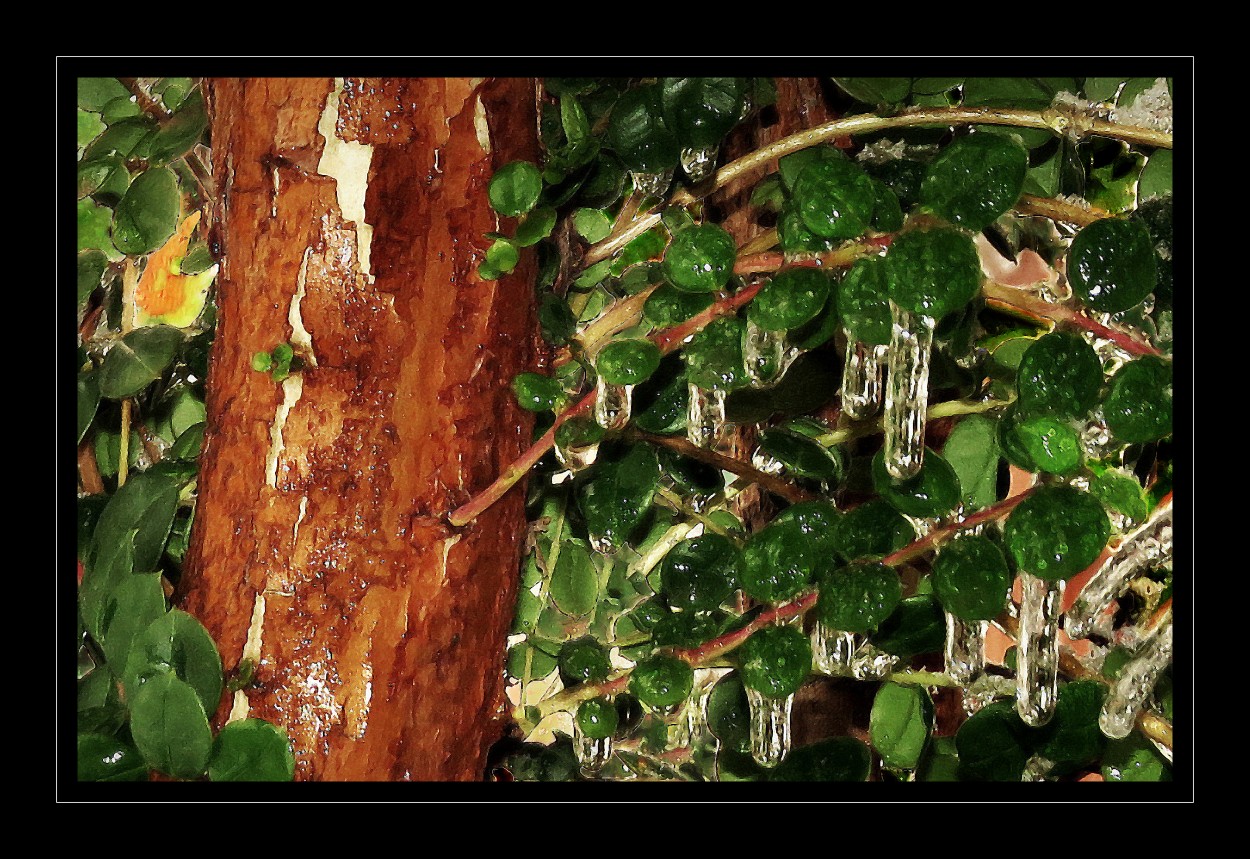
922,678
947,409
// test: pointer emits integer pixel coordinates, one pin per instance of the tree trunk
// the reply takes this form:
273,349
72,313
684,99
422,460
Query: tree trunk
351,222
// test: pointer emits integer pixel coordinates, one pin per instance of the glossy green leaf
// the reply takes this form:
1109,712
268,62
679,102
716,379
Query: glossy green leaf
700,574
135,601
871,530
837,759
575,581
1111,264
801,456
835,198
775,661
593,225
1122,493
555,319
1059,375
1020,92
714,357
971,578
252,750
1052,445
627,361
169,727
148,214
975,179
917,625
176,643
98,174
791,299
933,272
994,744
1072,737
126,137
535,226
781,560
138,515
729,713
864,301
661,681
1138,407
876,91
701,111
638,133
1056,532
700,259
811,382
88,402
941,763
515,187
89,127
933,492
137,360
91,266
1134,758
858,597
107,758
1156,176
900,723
616,498
93,228
94,93
972,451
178,134
660,403
648,246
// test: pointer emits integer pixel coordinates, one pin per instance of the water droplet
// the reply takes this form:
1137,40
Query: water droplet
699,163
862,379
705,418
764,353
1037,768
985,690
592,753
907,392
652,184
1148,547
1136,681
965,649
577,457
832,650
612,404
1037,653
770,728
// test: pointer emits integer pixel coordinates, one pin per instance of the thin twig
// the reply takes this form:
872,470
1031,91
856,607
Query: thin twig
1018,299
776,485
89,470
1060,210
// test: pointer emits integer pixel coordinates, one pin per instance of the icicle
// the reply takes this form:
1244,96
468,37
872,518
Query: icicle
612,404
652,184
1136,681
1037,653
699,163
705,418
1096,441
763,353
770,728
1148,547
907,392
965,649
985,690
592,754
575,458
862,377
870,663
832,650
690,727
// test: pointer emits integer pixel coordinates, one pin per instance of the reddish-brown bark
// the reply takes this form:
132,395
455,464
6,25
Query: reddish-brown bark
381,629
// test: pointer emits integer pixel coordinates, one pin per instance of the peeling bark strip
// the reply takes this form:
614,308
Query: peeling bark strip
319,540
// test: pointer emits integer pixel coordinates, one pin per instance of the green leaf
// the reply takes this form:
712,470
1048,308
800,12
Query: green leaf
89,127
971,578
917,626
178,134
106,758
94,93
638,134
169,727
858,597
941,763
1156,176
91,266
514,188
99,706
1122,493
88,401
933,492
1134,758
134,602
975,179
175,643
811,381
972,451
138,515
616,498
838,759
252,750
648,246
660,403
592,224
138,360
1022,92
93,228
95,174
575,581
993,744
126,137
801,456
593,275
148,214
701,111
535,226
1072,737
900,723
700,258
501,258
729,714
876,91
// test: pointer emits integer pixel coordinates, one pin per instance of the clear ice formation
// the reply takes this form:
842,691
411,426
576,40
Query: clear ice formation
965,649
1037,651
871,663
1137,679
699,163
652,184
592,754
612,404
770,728
1148,547
863,376
832,650
907,392
705,418
763,353
577,458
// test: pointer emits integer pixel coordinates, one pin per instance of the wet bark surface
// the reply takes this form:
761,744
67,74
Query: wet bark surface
320,548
